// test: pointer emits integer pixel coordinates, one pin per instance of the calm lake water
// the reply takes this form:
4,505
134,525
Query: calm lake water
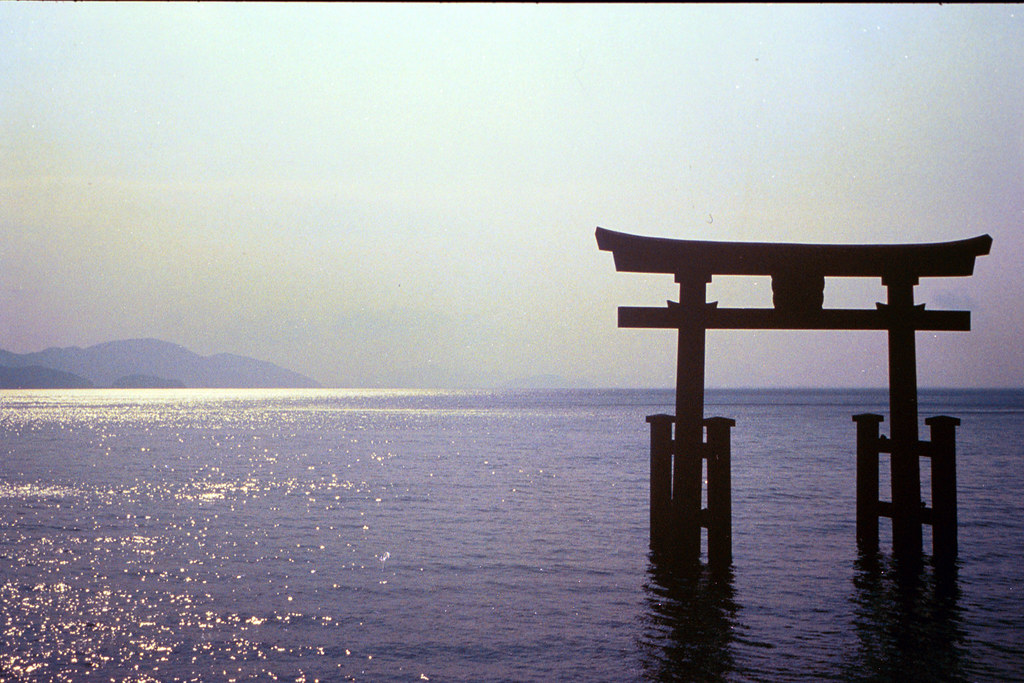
177,535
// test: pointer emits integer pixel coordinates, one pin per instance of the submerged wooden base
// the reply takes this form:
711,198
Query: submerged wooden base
675,527
941,516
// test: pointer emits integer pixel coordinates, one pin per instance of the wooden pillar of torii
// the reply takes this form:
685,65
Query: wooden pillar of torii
798,273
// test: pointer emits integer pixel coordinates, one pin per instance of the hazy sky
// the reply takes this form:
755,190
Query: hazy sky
393,194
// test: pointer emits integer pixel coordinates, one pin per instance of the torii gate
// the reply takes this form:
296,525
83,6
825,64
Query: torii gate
798,273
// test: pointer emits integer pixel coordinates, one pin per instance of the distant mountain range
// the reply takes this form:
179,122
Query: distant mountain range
140,363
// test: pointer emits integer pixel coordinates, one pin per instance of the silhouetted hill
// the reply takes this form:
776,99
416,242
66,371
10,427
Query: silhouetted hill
105,364
38,377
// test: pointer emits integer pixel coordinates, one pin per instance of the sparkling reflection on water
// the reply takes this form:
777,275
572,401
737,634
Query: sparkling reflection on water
464,536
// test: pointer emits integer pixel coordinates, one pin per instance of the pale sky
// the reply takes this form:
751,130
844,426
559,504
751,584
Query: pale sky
405,194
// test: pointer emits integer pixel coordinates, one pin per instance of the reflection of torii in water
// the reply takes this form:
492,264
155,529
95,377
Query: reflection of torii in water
798,273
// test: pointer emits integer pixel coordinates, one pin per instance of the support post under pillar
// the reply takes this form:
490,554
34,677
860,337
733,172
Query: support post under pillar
944,514
867,482
719,493
661,481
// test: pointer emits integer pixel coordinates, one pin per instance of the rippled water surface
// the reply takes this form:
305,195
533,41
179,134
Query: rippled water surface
172,535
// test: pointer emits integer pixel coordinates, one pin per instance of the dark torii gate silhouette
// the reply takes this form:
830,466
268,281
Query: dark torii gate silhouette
798,273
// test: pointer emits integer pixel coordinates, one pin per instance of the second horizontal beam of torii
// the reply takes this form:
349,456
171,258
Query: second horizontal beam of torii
714,318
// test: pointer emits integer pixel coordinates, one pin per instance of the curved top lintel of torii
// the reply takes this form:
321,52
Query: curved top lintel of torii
641,254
